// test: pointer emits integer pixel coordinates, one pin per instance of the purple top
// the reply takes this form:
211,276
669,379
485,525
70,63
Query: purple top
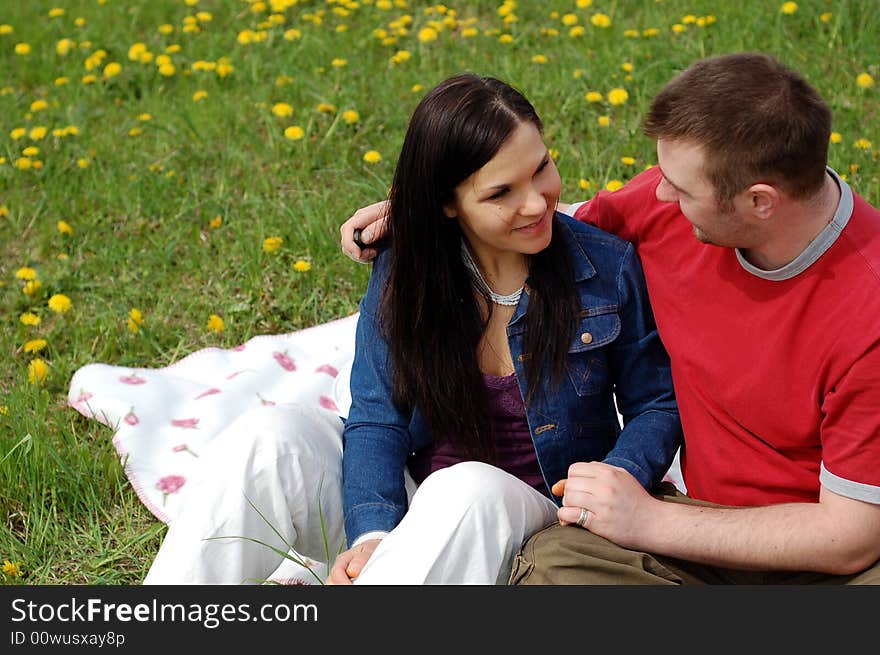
514,450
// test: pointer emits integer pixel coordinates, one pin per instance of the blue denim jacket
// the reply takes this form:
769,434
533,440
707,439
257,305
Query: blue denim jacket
615,349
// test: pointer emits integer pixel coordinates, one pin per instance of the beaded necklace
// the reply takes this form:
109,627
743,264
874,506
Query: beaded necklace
510,300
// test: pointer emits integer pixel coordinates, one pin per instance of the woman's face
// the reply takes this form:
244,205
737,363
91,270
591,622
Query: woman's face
507,205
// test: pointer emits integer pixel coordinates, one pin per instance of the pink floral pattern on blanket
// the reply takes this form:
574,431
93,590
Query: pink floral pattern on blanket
163,419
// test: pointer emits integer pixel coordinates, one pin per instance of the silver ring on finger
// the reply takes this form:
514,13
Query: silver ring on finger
583,517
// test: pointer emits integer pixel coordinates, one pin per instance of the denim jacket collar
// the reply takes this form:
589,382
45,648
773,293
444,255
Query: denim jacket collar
580,262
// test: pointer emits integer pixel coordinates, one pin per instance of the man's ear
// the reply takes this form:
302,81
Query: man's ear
763,200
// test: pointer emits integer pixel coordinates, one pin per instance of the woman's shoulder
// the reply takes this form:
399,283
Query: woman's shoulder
589,240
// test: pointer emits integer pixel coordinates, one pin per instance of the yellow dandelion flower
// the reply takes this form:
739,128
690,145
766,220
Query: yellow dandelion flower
26,273
79,21
83,162
40,105
35,345
272,244
569,19
4,411
401,56
865,81
576,31
22,49
469,32
144,117
301,266
294,133
215,222
604,121
350,116
89,79
167,70
38,133
600,20
4,211
613,185
826,17
427,34
165,29
651,31
37,371
135,131
593,96
836,137
539,59
505,38
864,144
64,227
678,28
617,96
31,151
788,8
112,69
583,4
200,95
627,161
31,287
326,108
12,569
37,164
6,29
17,133
23,163
61,81
215,324
224,68
30,319
55,12
282,109
416,88
584,184
59,303
338,62
292,34
372,157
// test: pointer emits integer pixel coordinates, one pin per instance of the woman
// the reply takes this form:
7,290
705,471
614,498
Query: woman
493,338
493,330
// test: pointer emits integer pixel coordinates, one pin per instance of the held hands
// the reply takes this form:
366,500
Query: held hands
371,221
617,506
350,563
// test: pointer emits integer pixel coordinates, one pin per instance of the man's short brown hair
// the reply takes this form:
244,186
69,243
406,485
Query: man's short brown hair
756,119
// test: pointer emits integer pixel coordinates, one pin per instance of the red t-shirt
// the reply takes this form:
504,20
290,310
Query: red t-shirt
778,381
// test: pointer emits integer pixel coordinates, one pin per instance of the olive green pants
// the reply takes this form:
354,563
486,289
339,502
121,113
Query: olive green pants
570,555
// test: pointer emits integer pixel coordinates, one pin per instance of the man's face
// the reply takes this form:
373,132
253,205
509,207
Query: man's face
683,182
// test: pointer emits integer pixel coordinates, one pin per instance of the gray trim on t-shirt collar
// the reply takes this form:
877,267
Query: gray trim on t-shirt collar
817,246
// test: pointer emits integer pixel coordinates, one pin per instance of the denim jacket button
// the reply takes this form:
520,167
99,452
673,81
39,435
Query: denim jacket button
586,337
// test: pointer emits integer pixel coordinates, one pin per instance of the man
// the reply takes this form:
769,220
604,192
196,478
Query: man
763,270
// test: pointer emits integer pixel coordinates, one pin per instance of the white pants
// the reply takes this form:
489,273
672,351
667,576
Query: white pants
465,523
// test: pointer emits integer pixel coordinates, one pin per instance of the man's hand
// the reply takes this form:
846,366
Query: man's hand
350,563
371,221
616,503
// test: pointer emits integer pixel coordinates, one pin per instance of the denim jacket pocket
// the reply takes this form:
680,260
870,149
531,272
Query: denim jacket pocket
587,359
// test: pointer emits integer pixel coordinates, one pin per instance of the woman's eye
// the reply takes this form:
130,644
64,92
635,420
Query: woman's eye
497,194
543,165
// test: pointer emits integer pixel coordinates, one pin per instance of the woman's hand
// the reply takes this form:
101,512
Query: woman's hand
350,563
371,221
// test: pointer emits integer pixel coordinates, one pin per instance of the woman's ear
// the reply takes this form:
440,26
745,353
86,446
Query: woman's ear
449,210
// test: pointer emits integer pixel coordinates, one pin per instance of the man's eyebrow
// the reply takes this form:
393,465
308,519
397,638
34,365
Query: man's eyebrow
671,183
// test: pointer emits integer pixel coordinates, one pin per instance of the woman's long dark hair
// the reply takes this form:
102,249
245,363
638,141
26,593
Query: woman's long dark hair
429,314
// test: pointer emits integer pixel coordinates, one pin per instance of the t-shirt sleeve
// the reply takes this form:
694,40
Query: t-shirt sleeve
623,212
851,431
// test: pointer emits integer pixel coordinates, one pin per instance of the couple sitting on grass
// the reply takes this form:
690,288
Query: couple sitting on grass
499,338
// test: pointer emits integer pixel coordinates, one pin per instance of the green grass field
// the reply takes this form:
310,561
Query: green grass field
150,148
